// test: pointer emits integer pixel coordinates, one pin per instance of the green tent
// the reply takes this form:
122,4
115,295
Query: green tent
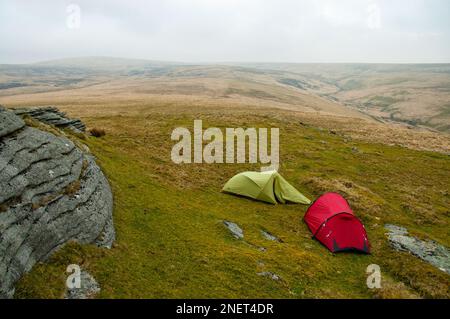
264,186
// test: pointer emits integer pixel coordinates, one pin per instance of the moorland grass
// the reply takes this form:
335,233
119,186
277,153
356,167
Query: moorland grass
171,242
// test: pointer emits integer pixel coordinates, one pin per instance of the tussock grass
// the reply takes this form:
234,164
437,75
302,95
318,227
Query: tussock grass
97,132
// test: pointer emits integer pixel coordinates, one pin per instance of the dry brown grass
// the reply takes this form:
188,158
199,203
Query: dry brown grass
98,105
44,200
73,188
391,289
366,202
419,276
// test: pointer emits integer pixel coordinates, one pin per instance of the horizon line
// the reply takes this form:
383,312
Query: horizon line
217,62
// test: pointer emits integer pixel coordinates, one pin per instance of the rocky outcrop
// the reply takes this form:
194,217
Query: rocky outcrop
51,115
51,192
427,250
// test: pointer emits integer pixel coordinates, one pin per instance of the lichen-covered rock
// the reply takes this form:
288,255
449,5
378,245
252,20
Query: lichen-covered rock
51,192
427,250
51,115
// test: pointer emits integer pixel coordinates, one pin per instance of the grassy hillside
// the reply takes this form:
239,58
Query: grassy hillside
171,242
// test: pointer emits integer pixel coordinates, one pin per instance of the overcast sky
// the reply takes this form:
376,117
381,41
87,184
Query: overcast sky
396,31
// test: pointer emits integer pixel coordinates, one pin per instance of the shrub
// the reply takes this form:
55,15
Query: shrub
97,132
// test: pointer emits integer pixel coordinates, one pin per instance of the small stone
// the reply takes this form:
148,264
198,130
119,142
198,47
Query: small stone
270,275
235,230
269,236
89,288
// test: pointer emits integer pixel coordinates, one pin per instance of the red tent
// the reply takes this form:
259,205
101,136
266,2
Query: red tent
332,222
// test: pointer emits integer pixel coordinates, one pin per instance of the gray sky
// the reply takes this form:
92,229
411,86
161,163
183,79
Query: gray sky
397,31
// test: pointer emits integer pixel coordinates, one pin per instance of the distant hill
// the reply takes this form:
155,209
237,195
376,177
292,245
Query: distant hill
417,95
143,79
102,63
